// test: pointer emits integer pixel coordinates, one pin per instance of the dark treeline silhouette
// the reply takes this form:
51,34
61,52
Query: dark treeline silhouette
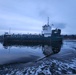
71,37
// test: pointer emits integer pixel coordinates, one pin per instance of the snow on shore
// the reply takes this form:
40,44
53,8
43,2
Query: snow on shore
47,67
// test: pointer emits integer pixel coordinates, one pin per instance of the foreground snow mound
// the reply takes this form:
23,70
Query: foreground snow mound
49,67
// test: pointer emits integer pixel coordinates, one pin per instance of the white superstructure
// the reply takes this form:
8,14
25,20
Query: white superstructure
46,30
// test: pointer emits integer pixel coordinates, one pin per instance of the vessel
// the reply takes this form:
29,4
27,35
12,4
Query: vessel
47,36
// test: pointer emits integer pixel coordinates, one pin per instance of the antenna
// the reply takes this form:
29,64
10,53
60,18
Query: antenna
9,30
48,21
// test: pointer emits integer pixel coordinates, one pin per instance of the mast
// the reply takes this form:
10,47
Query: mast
9,30
48,21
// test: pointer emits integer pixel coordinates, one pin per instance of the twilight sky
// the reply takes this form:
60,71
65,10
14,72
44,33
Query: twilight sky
28,16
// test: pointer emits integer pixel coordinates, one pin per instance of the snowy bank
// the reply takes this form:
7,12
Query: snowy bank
46,67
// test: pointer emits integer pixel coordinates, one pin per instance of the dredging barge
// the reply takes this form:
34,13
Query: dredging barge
48,36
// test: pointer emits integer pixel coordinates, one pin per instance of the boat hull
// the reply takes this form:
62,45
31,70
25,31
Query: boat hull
32,39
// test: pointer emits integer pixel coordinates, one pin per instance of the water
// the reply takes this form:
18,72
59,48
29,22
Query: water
19,54
15,53
53,59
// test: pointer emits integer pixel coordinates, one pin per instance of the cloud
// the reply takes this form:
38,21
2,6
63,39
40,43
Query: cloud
59,25
32,14
19,23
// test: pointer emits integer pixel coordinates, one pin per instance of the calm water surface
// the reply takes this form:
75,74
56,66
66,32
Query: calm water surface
19,54
23,54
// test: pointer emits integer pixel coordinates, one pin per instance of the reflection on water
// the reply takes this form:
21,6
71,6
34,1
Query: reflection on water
21,53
